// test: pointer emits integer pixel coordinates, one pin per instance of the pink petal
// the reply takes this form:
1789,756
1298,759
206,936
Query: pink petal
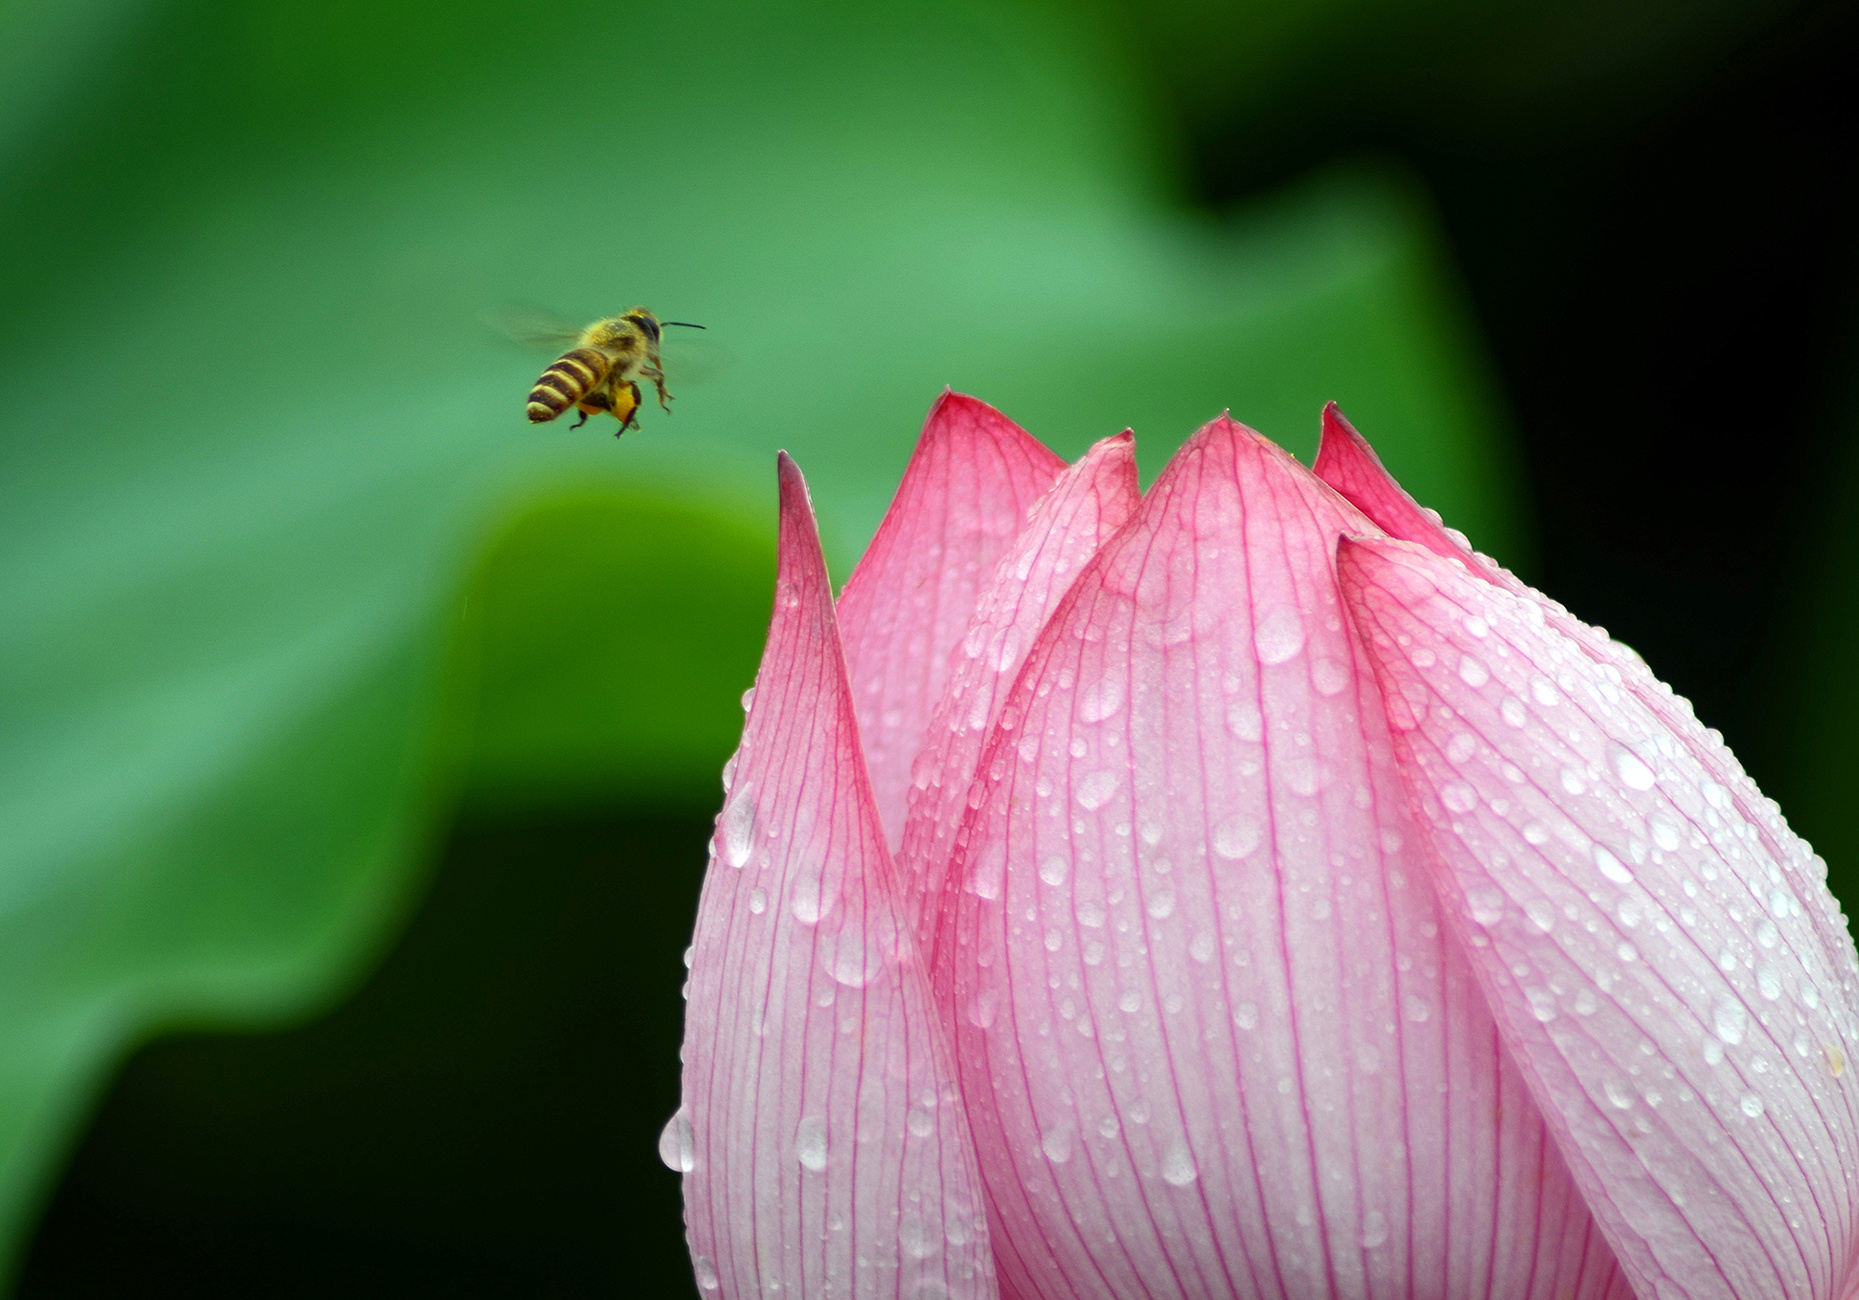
825,1149
1090,501
1661,953
1347,463
964,498
1212,1038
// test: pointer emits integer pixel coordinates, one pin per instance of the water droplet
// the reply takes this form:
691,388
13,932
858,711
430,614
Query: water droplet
677,1145
758,901
1573,781
1543,691
1542,1004
1535,833
1541,913
1244,720
706,1271
1664,834
1374,1229
984,1008
1108,1126
1766,933
729,771
1279,636
1751,1104
1473,672
1101,699
1461,747
1459,797
1055,939
1612,867
1162,905
1513,712
1730,1019
1585,1002
1246,1016
1130,1001
1619,1096
1628,914
1178,1168
1201,947
918,1239
920,1123
739,827
1236,837
748,698
1329,676
810,1143
1633,773
1096,789
1810,995
1416,1008
1768,982
1836,1060
1057,1144
855,952
813,897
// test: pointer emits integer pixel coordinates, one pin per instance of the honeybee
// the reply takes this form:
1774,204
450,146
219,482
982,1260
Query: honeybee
600,373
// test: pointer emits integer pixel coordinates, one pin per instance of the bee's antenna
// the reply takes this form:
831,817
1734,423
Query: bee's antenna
687,325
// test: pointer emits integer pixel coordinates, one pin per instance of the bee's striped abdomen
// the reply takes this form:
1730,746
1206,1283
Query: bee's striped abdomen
572,376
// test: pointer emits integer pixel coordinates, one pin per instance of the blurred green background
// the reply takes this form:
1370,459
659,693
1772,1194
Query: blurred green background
358,742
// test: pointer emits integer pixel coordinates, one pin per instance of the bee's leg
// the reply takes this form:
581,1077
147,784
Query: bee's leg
657,377
578,423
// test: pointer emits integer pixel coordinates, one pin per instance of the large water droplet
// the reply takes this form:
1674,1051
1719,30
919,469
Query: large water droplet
1513,712
1730,1019
1633,773
1473,672
1751,1104
1619,1096
1096,789
1329,676
1459,797
706,1271
1101,699
1664,834
1235,837
739,828
1279,636
813,897
1768,982
1374,1229
1057,1145
1612,867
810,1143
917,1237
677,1145
1053,870
1178,1169
1244,720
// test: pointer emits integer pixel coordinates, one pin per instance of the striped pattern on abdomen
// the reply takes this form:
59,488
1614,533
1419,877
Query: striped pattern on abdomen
572,376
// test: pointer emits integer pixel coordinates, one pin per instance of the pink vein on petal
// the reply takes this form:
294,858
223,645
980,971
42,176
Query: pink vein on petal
828,1154
1207,1023
963,499
1661,953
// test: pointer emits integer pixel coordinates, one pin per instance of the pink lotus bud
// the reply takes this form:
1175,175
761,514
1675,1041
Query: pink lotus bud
1242,890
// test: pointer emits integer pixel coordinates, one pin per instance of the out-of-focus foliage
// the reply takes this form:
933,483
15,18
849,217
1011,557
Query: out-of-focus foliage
282,573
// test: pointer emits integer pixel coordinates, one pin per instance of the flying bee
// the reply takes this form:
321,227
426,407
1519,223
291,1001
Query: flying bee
600,373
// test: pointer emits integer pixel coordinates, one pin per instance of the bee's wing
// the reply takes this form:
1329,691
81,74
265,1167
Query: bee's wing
533,327
692,359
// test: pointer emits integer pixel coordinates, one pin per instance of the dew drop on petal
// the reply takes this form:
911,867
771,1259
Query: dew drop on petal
1236,837
1751,1104
1374,1229
1461,747
1053,870
739,828
1459,797
1279,636
810,1143
677,1145
1633,773
1664,834
1612,867
1619,1096
1057,1145
1473,672
1096,789
1244,720
1513,712
1543,691
758,901
1178,1169
1768,982
1573,781
918,1239
1329,676
1101,699
707,1279
1541,913
1730,1019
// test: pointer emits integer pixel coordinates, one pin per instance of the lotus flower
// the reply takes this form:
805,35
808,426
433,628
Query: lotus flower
1242,889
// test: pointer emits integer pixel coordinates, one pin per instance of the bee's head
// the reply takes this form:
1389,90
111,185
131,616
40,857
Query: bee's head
646,322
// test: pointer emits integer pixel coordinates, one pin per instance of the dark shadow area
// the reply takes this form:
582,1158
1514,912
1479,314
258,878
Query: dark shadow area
1666,281
480,1119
